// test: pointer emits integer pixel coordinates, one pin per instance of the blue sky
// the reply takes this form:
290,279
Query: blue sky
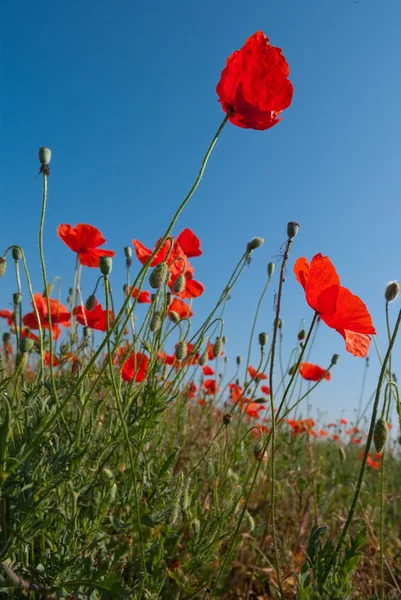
124,95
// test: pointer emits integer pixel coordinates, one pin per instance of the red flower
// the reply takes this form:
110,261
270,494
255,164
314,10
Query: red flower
253,374
235,392
84,240
343,421
167,359
7,314
252,409
180,307
142,297
135,366
210,354
207,370
254,87
56,362
95,318
185,246
211,387
265,389
313,372
58,314
191,390
336,306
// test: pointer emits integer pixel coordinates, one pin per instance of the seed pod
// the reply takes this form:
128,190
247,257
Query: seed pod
227,419
179,284
292,230
203,358
16,253
26,344
380,434
238,360
254,243
392,291
263,337
159,276
217,347
45,155
301,335
335,359
106,265
91,302
258,452
128,251
270,269
3,265
182,350
17,298
155,322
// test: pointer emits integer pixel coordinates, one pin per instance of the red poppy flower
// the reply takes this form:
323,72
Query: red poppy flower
253,374
7,314
254,87
180,307
313,372
210,352
135,366
343,421
56,362
58,314
167,359
207,370
252,409
26,332
142,297
85,240
265,389
211,387
235,392
95,318
191,390
336,306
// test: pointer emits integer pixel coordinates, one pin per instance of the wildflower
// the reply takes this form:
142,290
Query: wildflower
235,392
95,318
254,88
312,372
85,240
7,314
191,390
252,409
343,421
58,314
56,362
167,359
207,370
253,374
211,387
265,389
335,305
135,367
142,297
181,308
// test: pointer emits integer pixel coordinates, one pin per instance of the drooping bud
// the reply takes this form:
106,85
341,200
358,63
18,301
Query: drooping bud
26,344
227,419
238,360
335,359
182,350
263,337
169,298
174,316
380,434
292,230
392,291
179,284
106,265
155,322
254,243
128,251
17,298
292,369
16,253
91,302
270,269
203,358
159,276
301,335
45,155
3,265
217,347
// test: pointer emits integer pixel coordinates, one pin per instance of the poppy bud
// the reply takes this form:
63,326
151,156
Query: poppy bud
392,291
179,284
128,251
335,359
17,298
292,230
270,269
292,369
227,419
91,302
301,335
125,289
6,337
278,323
16,253
22,361
106,264
26,344
203,358
86,332
380,434
159,276
3,265
255,242
263,337
217,347
174,316
155,322
181,351
238,360
45,155
169,298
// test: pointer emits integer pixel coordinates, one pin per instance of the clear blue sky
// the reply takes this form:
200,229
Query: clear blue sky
124,95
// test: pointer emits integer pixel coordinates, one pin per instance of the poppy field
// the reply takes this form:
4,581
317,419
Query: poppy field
138,461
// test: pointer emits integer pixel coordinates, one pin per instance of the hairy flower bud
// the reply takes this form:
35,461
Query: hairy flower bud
217,347
174,316
45,155
263,337
227,419
159,276
155,322
380,434
301,335
16,253
254,243
270,269
238,360
26,344
179,284
182,350
3,265
335,359
203,358
292,230
91,302
392,291
106,264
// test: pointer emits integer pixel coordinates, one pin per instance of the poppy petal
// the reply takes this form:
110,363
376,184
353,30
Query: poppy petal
351,314
190,243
